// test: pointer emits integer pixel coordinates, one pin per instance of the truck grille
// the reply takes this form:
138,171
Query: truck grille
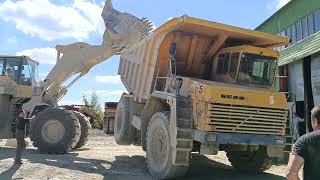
246,119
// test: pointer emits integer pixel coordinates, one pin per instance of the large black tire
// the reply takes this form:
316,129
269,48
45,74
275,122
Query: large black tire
55,130
85,129
246,161
159,149
123,132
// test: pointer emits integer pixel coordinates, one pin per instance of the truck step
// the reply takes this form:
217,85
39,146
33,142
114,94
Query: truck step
184,144
184,131
181,158
184,123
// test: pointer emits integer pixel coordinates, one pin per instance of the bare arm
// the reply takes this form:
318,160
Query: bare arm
294,166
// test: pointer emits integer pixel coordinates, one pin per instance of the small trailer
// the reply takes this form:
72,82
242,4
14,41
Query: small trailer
109,116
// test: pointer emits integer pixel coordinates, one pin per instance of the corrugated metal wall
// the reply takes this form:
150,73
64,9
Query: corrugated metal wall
306,47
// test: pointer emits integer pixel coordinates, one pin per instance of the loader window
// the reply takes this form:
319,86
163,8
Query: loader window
257,69
28,72
12,68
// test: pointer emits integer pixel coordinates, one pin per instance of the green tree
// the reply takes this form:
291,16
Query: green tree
85,100
94,103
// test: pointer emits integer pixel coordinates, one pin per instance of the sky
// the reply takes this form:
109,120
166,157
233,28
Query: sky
35,27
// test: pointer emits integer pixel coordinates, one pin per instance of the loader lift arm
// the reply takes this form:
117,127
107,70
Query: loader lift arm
58,130
76,60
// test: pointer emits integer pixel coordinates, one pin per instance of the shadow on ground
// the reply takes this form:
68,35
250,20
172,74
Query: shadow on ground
125,167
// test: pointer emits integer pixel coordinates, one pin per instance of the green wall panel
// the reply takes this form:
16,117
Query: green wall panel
289,14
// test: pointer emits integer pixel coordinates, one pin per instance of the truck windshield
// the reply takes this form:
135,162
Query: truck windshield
256,69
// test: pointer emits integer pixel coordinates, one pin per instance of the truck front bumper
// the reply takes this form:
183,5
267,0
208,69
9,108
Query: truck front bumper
237,138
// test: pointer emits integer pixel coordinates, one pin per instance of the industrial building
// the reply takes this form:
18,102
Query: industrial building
299,63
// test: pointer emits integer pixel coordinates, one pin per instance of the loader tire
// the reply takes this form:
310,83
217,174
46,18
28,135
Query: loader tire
122,127
159,149
246,161
85,129
55,130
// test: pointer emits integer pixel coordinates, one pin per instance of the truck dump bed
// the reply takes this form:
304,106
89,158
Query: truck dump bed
197,41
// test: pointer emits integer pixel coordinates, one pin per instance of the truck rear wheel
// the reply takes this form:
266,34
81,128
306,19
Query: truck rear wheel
159,149
55,130
256,161
85,129
122,127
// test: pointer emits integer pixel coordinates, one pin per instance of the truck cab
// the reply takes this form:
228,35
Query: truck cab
245,65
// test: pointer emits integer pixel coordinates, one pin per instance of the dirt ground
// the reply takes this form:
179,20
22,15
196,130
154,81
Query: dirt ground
101,158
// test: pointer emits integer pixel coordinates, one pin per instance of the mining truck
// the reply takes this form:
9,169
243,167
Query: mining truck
201,86
194,86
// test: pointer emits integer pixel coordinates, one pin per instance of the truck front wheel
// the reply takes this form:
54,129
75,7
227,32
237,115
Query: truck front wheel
247,161
55,130
159,149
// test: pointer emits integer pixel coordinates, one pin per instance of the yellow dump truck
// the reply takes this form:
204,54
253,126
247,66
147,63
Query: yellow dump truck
200,86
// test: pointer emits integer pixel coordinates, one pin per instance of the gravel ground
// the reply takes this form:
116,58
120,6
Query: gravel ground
101,158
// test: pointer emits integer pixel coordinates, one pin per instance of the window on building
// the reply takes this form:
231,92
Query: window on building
299,30
293,34
304,24
1,67
311,24
317,20
283,34
288,33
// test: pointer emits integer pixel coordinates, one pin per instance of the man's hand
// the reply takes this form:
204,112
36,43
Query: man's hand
294,166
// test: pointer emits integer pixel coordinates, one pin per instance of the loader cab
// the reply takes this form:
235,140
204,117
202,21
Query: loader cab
245,65
20,69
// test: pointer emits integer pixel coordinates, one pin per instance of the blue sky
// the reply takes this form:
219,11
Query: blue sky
34,27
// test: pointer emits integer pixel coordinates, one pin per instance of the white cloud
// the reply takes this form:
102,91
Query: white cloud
153,25
12,40
42,55
277,4
48,21
109,79
43,75
106,95
68,102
